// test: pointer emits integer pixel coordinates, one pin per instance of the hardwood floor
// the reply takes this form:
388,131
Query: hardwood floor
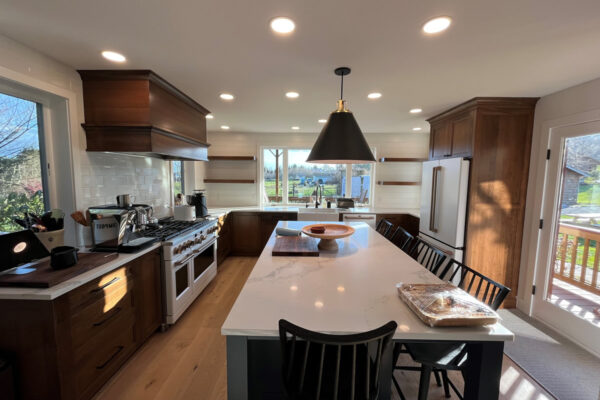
188,360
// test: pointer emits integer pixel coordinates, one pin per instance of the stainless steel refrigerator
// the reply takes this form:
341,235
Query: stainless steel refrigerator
444,187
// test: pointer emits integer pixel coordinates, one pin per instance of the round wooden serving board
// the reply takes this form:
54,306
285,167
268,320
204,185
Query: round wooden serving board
332,232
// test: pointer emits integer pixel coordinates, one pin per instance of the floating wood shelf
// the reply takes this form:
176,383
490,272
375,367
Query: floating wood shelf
398,183
232,158
396,159
229,181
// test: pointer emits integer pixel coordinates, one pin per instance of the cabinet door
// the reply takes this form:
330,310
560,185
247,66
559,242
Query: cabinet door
462,135
147,294
245,230
440,141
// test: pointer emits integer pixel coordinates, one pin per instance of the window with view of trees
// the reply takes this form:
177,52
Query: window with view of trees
287,168
23,185
178,182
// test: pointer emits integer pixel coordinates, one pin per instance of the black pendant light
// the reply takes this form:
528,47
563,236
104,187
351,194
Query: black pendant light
341,140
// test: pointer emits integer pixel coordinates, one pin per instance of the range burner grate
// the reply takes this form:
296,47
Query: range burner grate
170,229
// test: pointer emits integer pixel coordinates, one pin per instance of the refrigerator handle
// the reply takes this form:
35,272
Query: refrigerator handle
433,205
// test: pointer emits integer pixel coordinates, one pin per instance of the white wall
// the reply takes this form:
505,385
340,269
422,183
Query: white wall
571,106
386,145
95,177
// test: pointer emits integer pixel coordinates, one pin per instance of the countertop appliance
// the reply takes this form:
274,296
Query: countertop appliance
114,227
345,203
198,200
444,187
184,213
189,261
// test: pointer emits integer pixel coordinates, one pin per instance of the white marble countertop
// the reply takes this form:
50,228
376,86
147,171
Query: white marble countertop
357,210
53,292
349,291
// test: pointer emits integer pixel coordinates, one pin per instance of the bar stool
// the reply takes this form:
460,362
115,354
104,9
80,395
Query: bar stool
321,366
402,238
442,357
384,227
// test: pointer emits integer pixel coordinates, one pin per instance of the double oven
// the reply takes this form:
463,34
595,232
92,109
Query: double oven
189,264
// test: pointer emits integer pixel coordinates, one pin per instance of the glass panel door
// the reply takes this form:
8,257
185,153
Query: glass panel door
570,279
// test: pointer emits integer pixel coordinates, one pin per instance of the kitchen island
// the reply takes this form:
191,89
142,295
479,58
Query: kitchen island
348,291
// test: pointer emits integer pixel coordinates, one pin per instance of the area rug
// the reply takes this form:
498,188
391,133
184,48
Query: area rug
559,365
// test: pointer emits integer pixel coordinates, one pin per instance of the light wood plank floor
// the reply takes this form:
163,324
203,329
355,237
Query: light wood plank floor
188,361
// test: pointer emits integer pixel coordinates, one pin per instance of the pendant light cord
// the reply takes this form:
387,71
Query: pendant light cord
342,89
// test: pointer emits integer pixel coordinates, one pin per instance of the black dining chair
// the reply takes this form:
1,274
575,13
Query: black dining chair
384,227
427,255
402,238
321,366
442,357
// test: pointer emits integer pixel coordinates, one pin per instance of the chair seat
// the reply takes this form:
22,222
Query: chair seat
438,355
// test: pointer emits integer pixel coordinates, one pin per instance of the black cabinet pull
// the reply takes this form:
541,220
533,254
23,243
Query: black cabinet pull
117,310
107,284
119,349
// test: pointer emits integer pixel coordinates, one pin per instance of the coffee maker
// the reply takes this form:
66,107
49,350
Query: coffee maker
198,200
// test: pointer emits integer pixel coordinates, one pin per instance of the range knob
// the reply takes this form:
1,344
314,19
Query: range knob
177,250
198,240
202,238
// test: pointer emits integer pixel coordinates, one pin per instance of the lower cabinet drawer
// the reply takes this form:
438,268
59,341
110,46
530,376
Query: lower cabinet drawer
96,317
98,358
97,289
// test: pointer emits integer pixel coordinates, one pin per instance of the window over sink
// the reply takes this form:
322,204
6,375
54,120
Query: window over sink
288,179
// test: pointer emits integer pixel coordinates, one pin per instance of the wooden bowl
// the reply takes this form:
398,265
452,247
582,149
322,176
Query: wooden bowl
332,232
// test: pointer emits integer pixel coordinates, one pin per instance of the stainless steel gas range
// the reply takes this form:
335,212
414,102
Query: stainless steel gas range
189,262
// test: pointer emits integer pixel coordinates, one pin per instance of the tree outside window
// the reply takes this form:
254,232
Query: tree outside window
22,180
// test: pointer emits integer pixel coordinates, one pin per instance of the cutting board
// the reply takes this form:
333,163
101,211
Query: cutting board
295,246
43,276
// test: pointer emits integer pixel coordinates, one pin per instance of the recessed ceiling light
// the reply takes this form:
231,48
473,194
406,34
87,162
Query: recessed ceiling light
209,116
282,25
322,121
295,128
417,128
415,110
437,25
292,95
374,95
113,56
225,127
226,96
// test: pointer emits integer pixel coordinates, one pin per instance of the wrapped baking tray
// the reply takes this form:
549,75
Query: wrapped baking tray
443,304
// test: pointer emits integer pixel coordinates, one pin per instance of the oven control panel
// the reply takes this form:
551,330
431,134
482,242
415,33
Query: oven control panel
183,246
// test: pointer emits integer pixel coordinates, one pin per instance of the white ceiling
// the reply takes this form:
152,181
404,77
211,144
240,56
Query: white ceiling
493,48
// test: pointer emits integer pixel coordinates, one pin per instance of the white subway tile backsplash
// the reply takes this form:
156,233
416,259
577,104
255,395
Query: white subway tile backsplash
105,175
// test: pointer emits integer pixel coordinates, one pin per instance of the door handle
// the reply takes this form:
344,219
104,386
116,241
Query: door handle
433,204
177,264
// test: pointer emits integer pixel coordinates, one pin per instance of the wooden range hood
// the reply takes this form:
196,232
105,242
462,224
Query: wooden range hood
138,112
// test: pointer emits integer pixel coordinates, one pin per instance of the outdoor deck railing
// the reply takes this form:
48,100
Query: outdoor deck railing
577,256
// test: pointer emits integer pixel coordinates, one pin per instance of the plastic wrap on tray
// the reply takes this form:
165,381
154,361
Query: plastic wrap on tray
444,304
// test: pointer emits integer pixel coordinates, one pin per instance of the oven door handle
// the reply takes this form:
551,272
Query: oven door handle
179,263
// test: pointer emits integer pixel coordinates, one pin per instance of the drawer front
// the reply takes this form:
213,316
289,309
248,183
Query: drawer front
94,318
99,357
97,289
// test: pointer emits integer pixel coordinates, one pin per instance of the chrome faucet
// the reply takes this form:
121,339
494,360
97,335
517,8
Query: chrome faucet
317,190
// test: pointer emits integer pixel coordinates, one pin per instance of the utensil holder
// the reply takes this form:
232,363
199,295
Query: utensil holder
52,239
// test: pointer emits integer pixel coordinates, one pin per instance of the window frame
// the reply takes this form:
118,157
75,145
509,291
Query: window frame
285,186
